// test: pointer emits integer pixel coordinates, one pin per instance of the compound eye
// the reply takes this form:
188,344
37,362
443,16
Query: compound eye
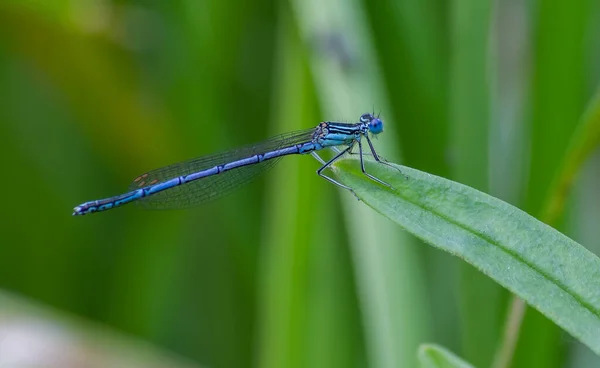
376,126
366,118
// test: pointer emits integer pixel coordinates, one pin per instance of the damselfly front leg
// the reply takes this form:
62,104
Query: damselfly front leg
378,159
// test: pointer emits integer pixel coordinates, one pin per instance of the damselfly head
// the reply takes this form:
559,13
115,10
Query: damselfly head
374,123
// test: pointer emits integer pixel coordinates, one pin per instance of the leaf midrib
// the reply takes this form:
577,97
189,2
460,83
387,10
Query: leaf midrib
562,286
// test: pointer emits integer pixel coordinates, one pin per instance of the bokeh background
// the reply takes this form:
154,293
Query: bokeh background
289,271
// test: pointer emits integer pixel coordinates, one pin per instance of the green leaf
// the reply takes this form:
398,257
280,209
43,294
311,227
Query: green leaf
435,356
551,272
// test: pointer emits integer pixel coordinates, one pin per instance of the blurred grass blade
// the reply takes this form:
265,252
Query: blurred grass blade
469,130
545,268
585,140
434,356
304,308
348,82
557,59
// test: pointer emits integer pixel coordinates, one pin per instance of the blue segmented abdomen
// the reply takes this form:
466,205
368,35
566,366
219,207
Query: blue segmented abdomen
189,183
108,203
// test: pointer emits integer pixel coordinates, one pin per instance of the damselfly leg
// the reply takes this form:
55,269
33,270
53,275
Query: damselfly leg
327,164
376,156
339,154
362,164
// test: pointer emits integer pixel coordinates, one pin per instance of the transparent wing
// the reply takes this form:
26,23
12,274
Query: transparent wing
215,186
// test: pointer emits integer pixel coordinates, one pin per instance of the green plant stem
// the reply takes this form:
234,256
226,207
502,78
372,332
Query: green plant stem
511,333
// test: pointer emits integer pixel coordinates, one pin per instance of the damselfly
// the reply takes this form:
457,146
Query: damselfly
199,180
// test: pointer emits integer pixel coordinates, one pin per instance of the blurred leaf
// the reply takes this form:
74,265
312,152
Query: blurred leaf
416,76
388,277
111,107
557,90
37,336
434,356
469,144
309,315
585,140
388,274
551,272
469,91
557,97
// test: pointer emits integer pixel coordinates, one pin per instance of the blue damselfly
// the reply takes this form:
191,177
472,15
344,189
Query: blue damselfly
199,180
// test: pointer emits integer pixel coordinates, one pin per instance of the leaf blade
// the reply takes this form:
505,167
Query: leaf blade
435,356
548,270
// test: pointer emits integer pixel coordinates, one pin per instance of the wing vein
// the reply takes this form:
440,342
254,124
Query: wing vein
212,187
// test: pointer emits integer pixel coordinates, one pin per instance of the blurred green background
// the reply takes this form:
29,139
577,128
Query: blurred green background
288,271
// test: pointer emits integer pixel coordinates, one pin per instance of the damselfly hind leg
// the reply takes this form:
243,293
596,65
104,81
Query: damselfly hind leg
327,164
316,155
